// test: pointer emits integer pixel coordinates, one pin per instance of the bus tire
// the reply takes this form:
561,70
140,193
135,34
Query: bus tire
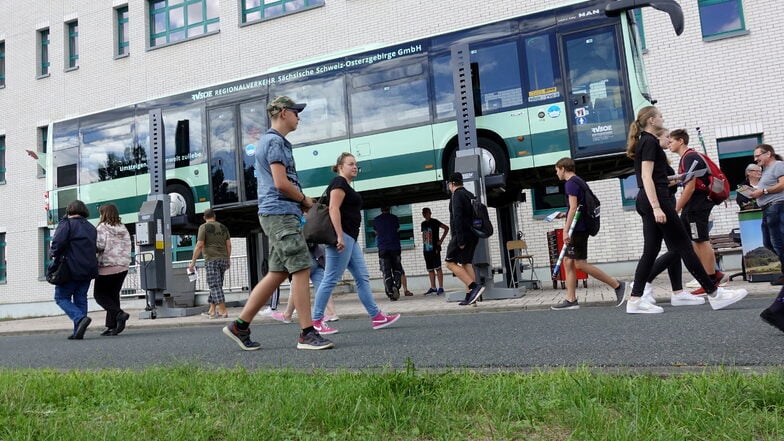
500,160
181,195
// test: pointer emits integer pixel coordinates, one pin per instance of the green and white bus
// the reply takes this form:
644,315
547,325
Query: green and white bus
564,81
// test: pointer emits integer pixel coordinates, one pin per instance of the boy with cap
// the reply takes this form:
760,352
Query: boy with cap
460,251
281,203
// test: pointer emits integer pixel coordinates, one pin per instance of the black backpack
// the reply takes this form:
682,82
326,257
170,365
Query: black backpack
591,209
480,220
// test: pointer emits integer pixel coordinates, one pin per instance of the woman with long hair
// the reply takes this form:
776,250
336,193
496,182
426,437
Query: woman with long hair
345,212
114,257
656,206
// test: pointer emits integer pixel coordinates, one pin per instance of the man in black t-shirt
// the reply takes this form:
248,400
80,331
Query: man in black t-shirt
431,246
460,251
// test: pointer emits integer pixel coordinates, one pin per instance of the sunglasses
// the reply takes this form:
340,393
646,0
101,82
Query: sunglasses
294,111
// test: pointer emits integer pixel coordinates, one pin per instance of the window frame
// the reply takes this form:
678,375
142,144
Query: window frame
3,263
727,160
628,202
72,45
42,147
262,6
2,64
121,22
2,160
44,63
46,244
640,28
543,212
741,30
203,27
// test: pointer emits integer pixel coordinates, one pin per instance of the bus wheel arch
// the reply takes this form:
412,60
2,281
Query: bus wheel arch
182,199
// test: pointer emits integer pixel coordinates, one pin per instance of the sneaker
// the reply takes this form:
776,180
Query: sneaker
240,337
685,299
726,297
640,306
565,304
266,311
721,279
279,317
440,291
474,294
647,293
324,328
313,340
773,319
394,294
465,300
693,284
621,292
779,281
381,320
431,291
331,318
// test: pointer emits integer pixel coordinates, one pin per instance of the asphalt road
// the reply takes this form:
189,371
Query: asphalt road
602,337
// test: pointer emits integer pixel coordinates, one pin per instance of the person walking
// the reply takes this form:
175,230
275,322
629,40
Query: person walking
656,207
387,228
316,276
431,248
345,212
576,257
281,202
770,198
74,239
463,242
214,240
113,245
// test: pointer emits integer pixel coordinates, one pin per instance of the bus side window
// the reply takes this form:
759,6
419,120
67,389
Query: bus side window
499,76
542,73
444,86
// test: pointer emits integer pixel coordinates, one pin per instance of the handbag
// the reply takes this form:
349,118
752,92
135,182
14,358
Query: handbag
318,226
58,272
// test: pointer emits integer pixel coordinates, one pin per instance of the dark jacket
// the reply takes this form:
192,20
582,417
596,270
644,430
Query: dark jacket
75,238
460,215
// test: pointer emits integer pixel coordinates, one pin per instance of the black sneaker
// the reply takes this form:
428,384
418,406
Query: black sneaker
242,338
565,305
122,317
81,327
465,300
313,340
772,319
620,293
473,295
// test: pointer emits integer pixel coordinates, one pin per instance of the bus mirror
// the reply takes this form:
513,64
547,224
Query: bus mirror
672,8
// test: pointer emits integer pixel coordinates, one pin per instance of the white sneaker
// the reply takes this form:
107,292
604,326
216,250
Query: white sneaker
647,294
266,311
684,298
694,284
726,297
640,306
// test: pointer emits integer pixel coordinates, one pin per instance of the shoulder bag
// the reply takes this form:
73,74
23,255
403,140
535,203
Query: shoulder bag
318,226
58,272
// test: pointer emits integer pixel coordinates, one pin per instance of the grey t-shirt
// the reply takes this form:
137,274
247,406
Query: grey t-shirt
274,148
770,177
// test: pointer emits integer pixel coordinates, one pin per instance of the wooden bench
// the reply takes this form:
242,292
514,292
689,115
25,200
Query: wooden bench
724,245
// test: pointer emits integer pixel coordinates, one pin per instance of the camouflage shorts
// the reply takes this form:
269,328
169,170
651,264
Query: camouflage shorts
288,250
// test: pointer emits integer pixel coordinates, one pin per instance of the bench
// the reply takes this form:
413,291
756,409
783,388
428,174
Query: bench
727,244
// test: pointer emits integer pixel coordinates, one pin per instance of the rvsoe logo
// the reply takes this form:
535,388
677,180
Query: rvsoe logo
601,129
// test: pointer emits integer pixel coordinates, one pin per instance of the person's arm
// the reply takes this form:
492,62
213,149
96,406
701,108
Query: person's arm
443,236
646,173
196,254
569,217
336,197
228,251
686,194
285,186
100,240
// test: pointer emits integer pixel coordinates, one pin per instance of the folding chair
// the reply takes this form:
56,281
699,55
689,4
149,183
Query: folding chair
519,260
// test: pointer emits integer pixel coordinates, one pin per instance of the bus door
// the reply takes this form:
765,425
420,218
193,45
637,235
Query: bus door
598,95
223,146
253,124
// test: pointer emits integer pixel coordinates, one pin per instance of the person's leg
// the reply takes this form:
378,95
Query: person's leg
571,279
440,275
113,285
300,296
397,269
102,296
358,269
773,218
220,297
63,297
652,238
336,264
385,263
460,272
431,275
214,282
678,241
261,293
597,273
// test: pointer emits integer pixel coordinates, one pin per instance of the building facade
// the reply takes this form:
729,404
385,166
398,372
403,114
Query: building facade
62,59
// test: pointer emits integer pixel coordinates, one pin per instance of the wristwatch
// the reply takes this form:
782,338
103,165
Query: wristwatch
764,191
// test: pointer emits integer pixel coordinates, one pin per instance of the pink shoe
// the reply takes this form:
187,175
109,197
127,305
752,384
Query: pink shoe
381,321
323,328
280,317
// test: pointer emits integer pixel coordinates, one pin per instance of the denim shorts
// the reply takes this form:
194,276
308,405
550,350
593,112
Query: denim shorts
288,249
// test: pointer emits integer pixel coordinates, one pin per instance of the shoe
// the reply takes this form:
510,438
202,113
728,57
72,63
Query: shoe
474,294
565,304
331,318
266,311
640,306
778,282
465,300
647,293
314,341
280,317
241,337
721,279
773,319
381,320
109,332
440,291
686,299
409,293
122,317
621,292
431,291
73,337
395,294
81,327
726,297
323,328
693,284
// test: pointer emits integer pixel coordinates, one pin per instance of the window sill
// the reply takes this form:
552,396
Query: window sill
161,46
120,57
260,20
725,35
42,76
71,69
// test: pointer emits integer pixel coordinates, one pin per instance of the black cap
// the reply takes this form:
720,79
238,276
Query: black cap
456,178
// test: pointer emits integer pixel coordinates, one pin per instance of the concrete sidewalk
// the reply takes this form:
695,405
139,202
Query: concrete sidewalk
349,307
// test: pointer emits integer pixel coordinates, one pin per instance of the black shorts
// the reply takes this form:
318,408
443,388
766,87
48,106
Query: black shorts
578,247
464,255
696,223
432,260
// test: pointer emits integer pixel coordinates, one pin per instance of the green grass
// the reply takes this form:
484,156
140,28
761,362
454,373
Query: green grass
185,403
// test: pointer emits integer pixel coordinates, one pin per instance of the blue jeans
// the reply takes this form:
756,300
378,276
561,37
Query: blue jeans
350,258
71,297
773,230
316,274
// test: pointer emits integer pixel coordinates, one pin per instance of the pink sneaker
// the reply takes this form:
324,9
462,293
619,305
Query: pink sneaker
381,321
323,328
279,317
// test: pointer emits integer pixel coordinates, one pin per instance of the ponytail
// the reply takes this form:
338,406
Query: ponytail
636,128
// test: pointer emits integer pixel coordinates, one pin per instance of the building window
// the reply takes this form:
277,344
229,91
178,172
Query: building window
2,159
2,64
182,247
3,263
43,52
122,31
405,218
735,154
42,148
255,10
72,50
46,244
640,28
177,20
548,198
720,18
629,190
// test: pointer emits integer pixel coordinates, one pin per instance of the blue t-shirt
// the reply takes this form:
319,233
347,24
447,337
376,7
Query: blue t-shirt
274,148
387,235
572,188
770,176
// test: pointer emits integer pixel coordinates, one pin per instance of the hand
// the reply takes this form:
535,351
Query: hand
567,239
307,203
756,193
191,267
340,246
659,215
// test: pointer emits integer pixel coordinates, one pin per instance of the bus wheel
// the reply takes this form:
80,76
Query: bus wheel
493,158
181,203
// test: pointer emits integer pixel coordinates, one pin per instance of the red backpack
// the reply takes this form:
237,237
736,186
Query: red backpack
717,186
